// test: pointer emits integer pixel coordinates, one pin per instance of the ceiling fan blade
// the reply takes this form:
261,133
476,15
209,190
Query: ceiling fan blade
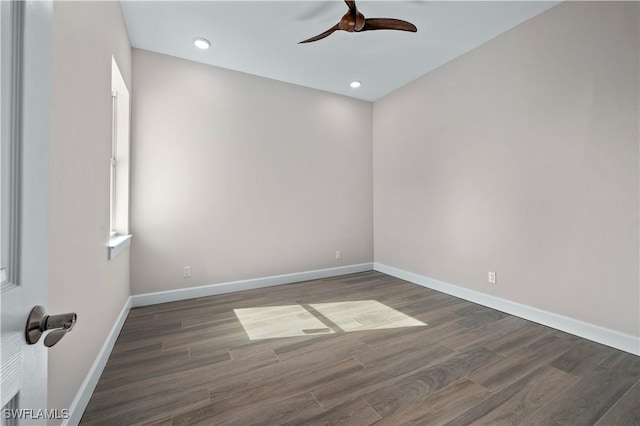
388,24
321,36
351,4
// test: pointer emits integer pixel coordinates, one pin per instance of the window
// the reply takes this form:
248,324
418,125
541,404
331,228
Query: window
119,187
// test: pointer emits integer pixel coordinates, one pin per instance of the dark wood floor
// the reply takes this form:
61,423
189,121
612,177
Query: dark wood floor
192,362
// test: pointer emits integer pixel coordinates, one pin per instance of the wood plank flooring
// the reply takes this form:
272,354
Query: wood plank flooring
318,360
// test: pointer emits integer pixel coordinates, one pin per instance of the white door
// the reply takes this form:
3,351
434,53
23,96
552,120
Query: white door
25,76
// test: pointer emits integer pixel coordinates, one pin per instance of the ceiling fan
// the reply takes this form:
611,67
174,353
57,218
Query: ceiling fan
354,21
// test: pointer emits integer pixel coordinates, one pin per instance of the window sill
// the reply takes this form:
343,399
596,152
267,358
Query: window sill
118,243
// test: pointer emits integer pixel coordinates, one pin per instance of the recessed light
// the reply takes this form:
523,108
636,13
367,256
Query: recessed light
202,43
355,84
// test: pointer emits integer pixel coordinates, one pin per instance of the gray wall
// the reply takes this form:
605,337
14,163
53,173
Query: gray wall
85,36
521,157
241,177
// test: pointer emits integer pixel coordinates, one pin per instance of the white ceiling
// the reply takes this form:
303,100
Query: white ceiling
260,37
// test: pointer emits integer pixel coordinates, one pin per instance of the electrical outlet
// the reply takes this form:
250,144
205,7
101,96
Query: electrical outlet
492,277
338,254
186,272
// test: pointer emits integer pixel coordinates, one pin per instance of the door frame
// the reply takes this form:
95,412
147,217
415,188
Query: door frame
30,34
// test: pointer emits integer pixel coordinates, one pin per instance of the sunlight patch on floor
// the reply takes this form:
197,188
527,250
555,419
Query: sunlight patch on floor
271,322
279,321
365,315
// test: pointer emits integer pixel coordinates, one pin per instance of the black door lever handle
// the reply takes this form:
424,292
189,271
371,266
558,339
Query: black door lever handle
39,322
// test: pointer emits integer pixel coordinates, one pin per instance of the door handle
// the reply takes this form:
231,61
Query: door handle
39,322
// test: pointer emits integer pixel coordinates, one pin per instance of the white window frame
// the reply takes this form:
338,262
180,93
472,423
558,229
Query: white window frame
113,169
119,235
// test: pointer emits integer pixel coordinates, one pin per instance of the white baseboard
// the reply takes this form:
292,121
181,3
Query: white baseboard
230,287
596,333
615,339
81,400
